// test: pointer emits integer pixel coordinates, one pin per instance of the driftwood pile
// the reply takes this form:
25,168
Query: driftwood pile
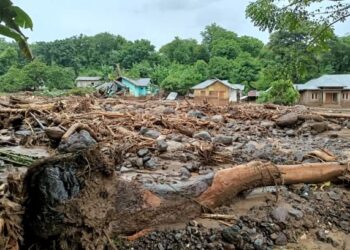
77,200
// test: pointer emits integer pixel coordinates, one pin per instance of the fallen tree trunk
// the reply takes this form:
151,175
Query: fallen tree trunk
230,182
74,195
333,115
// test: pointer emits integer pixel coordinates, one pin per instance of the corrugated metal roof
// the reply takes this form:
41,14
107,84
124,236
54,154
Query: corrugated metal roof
209,82
88,78
331,81
142,82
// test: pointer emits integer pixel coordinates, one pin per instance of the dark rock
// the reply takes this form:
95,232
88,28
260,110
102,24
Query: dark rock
136,162
203,135
78,141
151,164
231,234
281,239
334,196
192,167
280,214
154,134
143,152
146,158
287,120
319,127
333,134
296,213
162,146
196,114
223,139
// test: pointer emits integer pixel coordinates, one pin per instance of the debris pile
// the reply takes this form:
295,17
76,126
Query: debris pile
114,167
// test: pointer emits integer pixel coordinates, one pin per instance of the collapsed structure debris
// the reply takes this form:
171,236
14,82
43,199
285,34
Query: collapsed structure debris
121,167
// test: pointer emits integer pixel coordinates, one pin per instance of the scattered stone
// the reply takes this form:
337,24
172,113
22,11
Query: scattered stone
162,146
154,134
268,124
334,127
319,127
203,135
281,239
142,152
196,114
333,135
280,214
290,132
192,166
151,164
334,196
218,118
175,146
296,213
223,139
287,120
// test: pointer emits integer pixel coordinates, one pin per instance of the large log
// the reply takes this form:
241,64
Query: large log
229,182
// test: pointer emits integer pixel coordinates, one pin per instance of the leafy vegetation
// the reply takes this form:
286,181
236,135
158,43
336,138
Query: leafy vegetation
281,92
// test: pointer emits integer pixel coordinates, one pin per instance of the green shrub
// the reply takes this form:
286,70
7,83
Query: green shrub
81,91
281,92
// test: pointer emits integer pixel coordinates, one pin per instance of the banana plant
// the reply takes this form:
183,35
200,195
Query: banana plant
12,20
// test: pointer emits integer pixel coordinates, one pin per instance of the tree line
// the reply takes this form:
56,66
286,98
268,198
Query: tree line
178,65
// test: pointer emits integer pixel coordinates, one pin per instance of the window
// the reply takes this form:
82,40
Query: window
345,96
314,96
202,92
213,93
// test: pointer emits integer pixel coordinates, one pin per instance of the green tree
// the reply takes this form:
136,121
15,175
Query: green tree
225,48
34,75
12,80
281,92
220,67
291,15
8,58
251,45
245,70
184,51
59,78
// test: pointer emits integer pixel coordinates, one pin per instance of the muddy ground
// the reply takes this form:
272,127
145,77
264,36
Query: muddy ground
175,148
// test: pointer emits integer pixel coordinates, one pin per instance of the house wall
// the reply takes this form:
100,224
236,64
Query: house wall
311,98
134,90
217,94
345,99
87,84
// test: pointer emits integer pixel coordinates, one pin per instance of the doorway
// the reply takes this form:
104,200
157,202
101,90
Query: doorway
332,98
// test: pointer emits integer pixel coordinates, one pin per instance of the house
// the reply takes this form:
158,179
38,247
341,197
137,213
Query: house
327,90
88,81
136,87
218,92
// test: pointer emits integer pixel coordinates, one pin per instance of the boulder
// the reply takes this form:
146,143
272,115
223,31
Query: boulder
196,114
287,120
78,141
162,146
268,124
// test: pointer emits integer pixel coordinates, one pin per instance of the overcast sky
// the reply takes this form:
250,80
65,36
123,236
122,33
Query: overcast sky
156,20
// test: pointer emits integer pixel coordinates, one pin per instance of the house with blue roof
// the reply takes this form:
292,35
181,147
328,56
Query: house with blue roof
327,90
135,87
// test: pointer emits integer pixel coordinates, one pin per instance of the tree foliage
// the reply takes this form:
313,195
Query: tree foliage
281,92
12,20
291,15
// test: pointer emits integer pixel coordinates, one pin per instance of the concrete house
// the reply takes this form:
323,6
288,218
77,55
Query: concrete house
135,87
328,90
88,81
218,92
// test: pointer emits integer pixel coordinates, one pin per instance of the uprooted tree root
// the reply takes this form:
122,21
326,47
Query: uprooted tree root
75,201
